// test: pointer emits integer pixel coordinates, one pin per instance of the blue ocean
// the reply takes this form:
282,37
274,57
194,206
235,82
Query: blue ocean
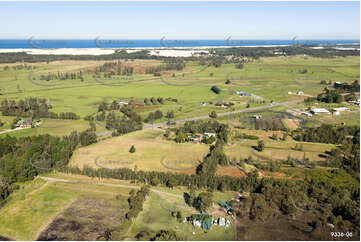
33,43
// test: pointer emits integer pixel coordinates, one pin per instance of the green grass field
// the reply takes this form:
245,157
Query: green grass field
31,209
155,153
151,150
270,78
19,219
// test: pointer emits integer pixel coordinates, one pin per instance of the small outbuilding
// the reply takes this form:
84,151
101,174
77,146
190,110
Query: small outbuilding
320,111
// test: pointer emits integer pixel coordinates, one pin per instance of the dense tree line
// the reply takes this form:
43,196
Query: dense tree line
21,159
257,52
32,107
114,105
326,133
131,121
154,116
347,156
330,96
178,66
215,157
114,68
345,87
136,201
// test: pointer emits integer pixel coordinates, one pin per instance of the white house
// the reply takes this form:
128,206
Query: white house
123,103
300,93
320,111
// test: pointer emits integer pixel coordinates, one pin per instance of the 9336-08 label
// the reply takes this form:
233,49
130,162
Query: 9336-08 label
341,234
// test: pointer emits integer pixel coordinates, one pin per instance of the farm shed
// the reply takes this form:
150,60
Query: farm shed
320,111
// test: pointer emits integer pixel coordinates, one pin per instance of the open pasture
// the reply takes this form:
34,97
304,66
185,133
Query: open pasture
269,78
153,153
54,209
275,150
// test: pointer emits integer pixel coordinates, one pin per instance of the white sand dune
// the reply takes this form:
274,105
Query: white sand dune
164,51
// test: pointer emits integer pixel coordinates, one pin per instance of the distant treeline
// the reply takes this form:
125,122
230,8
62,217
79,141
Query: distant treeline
167,67
258,52
61,76
33,107
114,68
20,67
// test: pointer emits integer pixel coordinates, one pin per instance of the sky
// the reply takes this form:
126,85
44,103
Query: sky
180,20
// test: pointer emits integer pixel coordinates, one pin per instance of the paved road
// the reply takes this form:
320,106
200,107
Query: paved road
147,126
